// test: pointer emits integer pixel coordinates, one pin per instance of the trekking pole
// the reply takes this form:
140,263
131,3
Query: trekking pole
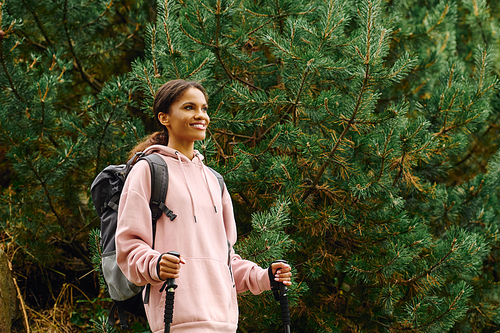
169,298
285,310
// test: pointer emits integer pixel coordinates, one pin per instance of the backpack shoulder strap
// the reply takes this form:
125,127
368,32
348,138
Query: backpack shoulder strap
219,178
159,188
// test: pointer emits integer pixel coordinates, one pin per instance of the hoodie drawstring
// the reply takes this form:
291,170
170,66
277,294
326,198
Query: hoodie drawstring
189,188
208,184
187,184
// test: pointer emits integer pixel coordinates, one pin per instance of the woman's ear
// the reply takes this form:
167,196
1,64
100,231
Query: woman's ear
163,118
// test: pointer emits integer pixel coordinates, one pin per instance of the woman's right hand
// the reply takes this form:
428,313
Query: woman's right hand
169,266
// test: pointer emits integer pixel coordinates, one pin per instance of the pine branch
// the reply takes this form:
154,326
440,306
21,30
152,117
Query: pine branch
169,41
58,165
351,122
219,148
115,47
328,33
194,39
85,76
9,77
272,18
482,77
217,47
261,136
385,153
229,74
485,40
231,133
260,27
341,137
100,16
264,150
444,130
445,12
479,143
198,69
42,121
153,53
302,82
108,123
152,91
436,319
432,268
282,49
43,183
38,23
401,167
23,35
280,20
378,270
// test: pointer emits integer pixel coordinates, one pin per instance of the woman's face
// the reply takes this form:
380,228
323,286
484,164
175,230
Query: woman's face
187,120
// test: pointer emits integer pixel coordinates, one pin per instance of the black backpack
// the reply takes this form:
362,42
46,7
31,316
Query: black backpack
105,191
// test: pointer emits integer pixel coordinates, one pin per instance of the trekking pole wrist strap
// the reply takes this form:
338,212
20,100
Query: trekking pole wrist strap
158,266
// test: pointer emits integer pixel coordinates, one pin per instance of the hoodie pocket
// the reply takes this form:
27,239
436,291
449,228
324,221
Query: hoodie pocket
205,292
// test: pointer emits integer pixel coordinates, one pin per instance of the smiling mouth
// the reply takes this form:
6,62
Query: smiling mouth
199,126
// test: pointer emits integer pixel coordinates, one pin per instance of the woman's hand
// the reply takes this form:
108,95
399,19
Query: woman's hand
282,273
169,266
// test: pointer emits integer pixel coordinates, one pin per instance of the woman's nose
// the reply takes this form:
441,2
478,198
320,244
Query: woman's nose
201,114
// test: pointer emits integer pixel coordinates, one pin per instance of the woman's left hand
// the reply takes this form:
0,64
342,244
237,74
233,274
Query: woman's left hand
282,273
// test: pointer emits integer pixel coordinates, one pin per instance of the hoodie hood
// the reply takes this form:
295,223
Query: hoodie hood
168,151
184,163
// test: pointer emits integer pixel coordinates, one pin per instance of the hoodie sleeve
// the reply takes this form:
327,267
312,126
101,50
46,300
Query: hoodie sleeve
134,231
247,275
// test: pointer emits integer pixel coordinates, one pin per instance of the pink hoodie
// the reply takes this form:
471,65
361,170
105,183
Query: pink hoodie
205,300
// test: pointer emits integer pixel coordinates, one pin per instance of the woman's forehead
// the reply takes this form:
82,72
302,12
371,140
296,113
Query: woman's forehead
192,95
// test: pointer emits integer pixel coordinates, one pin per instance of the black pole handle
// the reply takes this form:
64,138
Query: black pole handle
169,298
285,310
171,282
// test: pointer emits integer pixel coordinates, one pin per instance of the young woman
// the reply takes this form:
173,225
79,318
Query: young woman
204,231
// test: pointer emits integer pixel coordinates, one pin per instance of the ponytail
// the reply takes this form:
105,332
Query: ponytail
157,138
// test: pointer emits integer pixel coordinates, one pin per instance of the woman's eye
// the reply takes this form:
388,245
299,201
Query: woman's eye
189,107
205,109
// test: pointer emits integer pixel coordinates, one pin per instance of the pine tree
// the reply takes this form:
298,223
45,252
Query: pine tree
358,139
64,115
372,119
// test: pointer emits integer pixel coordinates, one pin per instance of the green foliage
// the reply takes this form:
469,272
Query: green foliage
96,255
365,116
59,124
64,115
81,318
101,325
267,228
359,140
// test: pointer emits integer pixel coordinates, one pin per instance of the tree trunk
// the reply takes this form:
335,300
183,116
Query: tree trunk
9,304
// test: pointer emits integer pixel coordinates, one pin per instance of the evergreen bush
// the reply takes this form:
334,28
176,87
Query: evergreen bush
358,138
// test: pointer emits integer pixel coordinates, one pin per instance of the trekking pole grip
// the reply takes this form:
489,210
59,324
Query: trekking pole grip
171,282
170,285
283,298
